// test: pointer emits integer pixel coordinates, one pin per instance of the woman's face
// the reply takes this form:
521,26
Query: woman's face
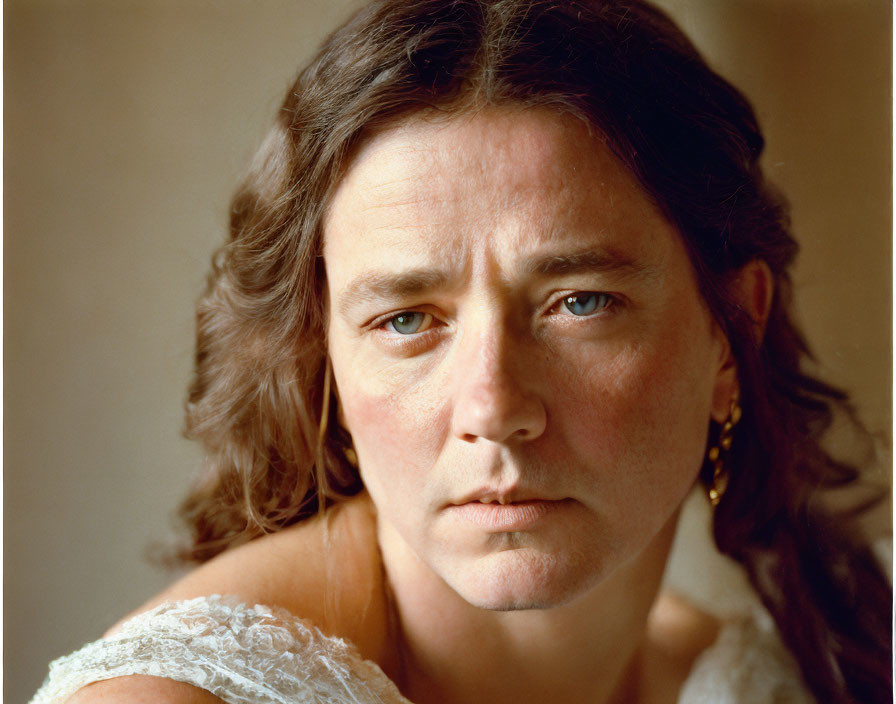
522,356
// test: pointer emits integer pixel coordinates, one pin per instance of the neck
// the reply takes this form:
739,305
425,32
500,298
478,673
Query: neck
589,649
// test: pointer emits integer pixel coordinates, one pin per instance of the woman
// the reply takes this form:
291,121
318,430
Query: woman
505,281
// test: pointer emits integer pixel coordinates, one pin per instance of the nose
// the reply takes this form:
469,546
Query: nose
495,395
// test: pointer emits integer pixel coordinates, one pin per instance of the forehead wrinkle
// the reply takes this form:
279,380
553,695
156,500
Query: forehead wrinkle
392,193
413,207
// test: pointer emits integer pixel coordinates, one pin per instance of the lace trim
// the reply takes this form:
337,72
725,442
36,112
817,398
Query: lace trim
747,663
241,654
262,655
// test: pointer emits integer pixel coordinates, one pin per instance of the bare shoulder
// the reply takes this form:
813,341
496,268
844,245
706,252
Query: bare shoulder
677,633
325,570
680,628
142,689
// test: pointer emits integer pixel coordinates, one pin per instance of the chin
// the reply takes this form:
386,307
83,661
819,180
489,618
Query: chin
523,579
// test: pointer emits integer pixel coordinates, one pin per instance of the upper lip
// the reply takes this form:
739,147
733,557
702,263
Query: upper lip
511,495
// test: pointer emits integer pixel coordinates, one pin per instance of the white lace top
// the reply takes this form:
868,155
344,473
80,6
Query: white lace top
261,655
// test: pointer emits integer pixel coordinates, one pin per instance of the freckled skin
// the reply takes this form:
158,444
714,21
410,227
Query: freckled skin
507,387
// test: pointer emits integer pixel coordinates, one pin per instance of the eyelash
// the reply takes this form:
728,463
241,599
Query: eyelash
408,343
611,303
428,321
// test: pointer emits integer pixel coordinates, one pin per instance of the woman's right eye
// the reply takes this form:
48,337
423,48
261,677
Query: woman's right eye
409,322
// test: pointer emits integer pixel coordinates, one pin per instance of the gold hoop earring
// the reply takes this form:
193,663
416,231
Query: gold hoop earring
717,453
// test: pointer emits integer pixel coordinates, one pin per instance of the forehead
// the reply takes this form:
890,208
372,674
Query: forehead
512,180
544,144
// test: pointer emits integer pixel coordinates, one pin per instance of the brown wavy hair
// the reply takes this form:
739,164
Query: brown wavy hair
260,401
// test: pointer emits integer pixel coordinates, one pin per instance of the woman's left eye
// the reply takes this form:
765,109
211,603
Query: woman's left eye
586,302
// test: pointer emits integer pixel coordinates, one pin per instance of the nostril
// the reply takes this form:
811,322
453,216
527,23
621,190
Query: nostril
492,398
520,418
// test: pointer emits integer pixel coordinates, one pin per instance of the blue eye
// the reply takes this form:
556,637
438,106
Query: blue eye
586,303
410,322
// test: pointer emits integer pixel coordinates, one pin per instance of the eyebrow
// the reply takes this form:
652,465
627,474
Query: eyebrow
585,262
376,285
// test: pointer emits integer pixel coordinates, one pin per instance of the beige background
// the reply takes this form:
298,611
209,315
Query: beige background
128,123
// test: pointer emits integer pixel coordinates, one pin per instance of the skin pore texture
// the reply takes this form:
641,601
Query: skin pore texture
528,372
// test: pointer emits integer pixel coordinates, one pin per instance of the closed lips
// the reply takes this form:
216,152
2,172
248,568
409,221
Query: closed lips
517,515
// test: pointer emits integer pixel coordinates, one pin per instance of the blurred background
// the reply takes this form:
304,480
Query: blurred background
128,124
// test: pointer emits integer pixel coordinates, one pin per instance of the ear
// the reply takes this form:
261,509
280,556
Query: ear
752,289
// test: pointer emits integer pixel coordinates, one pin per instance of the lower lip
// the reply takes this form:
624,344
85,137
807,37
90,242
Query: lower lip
507,517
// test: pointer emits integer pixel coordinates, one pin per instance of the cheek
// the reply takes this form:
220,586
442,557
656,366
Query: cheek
644,409
397,433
